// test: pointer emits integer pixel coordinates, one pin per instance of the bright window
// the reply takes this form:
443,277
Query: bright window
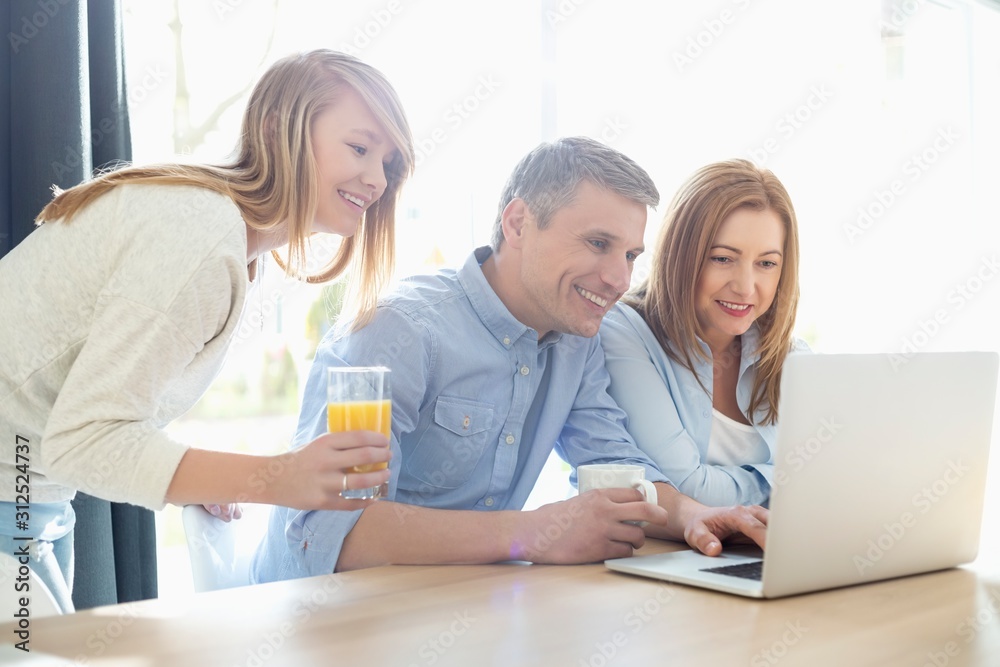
879,117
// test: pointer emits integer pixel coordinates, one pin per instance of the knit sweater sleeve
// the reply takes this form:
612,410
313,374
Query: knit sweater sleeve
156,340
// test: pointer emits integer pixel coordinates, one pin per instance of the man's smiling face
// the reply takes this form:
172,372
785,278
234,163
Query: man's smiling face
577,267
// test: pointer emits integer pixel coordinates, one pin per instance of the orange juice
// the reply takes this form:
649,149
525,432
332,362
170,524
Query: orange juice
360,416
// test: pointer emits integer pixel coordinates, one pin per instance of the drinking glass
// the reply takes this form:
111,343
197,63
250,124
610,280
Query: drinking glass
359,399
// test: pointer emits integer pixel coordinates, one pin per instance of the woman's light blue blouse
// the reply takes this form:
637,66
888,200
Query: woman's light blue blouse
670,414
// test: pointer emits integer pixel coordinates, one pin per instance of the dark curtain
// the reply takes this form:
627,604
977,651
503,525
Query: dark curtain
64,114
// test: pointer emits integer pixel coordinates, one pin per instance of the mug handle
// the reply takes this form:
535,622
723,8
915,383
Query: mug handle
648,491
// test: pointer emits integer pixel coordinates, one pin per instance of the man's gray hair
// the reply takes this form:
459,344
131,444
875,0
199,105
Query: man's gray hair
547,179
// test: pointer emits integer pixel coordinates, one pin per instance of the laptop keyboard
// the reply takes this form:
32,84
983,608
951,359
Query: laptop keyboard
751,570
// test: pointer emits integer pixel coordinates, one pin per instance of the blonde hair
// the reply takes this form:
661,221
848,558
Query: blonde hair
273,178
666,299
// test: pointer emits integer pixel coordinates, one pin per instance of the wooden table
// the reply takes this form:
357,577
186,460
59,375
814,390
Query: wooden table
517,614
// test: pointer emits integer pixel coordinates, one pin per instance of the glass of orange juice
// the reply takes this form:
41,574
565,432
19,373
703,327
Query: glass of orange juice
358,398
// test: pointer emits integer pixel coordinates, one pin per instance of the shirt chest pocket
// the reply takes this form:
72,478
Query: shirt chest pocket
451,444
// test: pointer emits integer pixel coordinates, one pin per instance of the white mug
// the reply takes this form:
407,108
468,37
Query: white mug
616,476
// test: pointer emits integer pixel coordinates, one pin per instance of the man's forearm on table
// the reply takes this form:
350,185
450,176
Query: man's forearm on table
399,534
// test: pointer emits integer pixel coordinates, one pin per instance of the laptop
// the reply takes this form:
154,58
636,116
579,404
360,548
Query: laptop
879,472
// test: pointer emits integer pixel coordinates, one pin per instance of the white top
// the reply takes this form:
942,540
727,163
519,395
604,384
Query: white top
734,444
112,325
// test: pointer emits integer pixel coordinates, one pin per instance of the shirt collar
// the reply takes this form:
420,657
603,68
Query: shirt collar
491,310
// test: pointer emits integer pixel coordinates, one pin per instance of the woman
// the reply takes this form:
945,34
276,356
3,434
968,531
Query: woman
695,352
119,309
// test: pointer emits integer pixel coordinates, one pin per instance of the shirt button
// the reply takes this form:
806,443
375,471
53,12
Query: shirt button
488,502
704,413
509,439
506,340
525,370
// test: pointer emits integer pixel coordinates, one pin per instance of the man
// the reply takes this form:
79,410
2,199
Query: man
493,365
